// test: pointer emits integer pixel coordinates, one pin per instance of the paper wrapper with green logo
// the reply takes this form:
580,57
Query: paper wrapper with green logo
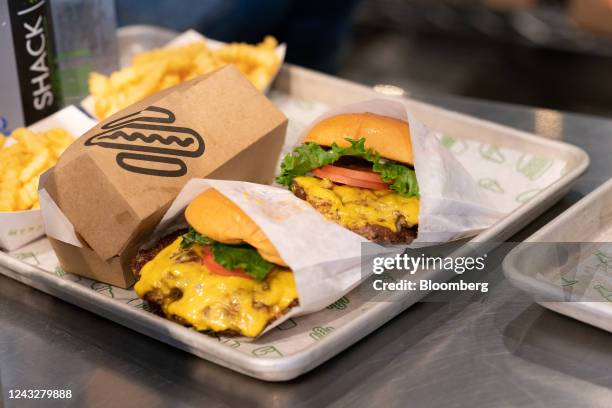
110,189
452,206
325,258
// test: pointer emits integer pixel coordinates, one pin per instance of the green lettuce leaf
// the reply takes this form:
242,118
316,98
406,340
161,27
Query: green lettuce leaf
402,179
194,237
231,256
242,257
310,156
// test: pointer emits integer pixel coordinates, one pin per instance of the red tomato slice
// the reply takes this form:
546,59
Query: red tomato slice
349,181
365,175
209,261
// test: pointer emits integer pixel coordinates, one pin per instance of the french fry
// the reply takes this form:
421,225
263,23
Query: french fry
155,70
9,187
259,77
30,140
268,43
98,83
22,163
26,197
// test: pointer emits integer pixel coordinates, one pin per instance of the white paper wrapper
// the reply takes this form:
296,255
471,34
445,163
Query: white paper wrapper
188,37
325,259
20,227
451,204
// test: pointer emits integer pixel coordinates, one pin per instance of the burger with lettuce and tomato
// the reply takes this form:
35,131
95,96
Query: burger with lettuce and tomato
220,275
357,169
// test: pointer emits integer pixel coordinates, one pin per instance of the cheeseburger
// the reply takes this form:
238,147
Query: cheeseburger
357,169
221,275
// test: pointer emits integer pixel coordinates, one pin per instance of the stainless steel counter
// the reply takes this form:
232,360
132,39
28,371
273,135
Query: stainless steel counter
502,352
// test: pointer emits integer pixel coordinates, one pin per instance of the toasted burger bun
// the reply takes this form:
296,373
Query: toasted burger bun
388,136
217,217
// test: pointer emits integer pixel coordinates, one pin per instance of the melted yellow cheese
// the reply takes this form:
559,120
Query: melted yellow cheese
214,302
354,207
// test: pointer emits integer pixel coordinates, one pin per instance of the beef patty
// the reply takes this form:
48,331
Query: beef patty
145,255
405,234
155,298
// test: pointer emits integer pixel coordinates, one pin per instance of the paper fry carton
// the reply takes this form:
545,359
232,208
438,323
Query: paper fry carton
17,228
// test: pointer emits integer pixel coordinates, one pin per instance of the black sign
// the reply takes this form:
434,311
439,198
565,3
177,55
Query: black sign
34,53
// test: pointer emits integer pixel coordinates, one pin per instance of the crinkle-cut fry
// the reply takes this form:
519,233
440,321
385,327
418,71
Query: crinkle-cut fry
99,84
39,163
2,141
22,163
9,187
34,144
259,78
269,43
236,52
125,77
243,67
206,63
6,153
148,85
57,134
102,107
58,137
24,201
56,152
270,61
189,50
181,63
12,160
6,205
46,138
168,81
248,54
30,140
27,195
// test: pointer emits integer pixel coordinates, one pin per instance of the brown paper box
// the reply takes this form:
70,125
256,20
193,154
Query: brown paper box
116,181
592,15
85,262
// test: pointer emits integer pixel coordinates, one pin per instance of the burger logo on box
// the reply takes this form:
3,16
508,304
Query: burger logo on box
148,143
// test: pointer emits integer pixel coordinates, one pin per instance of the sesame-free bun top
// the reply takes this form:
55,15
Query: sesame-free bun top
214,215
388,136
